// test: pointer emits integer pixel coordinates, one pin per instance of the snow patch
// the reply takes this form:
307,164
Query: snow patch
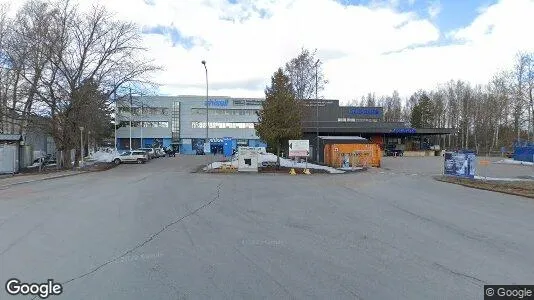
269,157
514,162
501,179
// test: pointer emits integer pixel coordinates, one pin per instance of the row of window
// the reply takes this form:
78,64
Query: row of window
154,124
356,120
244,102
225,112
223,125
144,110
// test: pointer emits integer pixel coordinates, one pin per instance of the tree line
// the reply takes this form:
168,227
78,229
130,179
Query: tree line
486,117
60,66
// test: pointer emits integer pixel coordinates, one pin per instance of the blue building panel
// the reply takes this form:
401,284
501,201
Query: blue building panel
187,149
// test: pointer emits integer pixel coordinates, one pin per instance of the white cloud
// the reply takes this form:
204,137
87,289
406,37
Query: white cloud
434,9
364,49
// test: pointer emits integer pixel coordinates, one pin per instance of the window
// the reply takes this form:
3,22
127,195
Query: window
223,125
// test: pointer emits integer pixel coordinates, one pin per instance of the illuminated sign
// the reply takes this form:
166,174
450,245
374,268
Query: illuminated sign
217,102
365,111
403,130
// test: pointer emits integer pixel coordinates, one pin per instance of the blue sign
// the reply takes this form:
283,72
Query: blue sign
460,164
403,130
228,148
217,102
216,140
365,111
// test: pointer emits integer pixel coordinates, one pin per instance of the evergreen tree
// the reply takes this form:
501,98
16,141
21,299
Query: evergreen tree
280,118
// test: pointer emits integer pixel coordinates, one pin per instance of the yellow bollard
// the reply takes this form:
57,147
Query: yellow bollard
292,172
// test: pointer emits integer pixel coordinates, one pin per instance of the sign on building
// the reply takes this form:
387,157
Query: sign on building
217,102
299,148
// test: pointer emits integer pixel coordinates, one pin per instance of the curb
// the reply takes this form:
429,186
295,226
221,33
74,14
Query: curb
42,179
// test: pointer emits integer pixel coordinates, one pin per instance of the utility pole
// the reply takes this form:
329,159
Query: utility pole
141,124
131,116
116,117
81,146
317,111
207,103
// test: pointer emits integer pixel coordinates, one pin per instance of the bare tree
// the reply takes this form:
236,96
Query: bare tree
302,71
519,86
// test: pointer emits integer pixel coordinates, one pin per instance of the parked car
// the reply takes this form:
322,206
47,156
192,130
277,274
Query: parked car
47,160
171,152
137,156
160,152
150,151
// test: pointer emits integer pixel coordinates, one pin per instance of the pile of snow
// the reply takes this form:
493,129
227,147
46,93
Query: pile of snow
501,179
269,157
104,156
514,162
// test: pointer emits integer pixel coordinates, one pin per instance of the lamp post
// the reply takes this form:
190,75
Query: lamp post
317,111
207,102
81,145
116,118
131,116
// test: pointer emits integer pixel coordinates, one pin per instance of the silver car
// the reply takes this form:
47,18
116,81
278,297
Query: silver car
136,156
150,151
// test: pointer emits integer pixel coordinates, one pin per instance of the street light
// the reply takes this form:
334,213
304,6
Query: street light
207,104
81,144
317,111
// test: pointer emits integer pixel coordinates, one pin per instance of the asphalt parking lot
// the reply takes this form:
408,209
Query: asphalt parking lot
159,231
434,166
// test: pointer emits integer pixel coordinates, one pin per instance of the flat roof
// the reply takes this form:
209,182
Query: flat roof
351,138
10,137
344,139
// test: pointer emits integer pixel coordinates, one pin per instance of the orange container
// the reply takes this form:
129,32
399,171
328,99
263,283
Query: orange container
355,155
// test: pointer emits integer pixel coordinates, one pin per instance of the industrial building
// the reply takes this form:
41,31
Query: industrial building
180,121
325,119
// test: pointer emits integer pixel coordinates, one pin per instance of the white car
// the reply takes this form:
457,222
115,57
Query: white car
160,152
136,156
150,151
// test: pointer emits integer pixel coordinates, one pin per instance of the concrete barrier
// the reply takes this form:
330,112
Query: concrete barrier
414,153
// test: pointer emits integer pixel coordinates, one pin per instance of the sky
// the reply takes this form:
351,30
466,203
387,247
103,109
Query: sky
365,45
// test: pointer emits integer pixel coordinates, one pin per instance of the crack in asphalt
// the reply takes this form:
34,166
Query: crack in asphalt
146,241
481,282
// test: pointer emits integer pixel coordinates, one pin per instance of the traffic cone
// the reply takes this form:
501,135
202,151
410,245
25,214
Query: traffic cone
292,172
307,172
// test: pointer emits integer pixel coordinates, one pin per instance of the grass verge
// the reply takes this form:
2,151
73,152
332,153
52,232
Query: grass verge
518,188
